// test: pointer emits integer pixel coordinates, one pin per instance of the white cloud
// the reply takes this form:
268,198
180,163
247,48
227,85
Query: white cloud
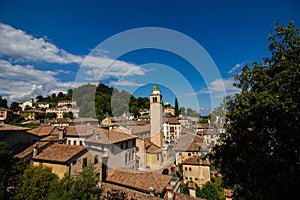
237,66
220,88
101,68
19,44
19,83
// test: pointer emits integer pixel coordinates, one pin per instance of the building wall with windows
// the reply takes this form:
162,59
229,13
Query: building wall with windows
64,109
196,170
66,159
171,132
154,160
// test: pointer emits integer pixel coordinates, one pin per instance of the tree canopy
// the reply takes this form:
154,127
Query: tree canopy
3,102
259,153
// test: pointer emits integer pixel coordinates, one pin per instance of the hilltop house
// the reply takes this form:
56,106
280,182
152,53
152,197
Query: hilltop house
64,107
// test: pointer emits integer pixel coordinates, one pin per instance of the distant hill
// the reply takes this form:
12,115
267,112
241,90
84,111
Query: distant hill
99,101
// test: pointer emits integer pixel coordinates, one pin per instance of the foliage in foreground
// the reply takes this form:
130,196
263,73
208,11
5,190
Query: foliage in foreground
259,155
40,183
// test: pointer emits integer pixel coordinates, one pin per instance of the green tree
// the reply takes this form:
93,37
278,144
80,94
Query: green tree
185,188
198,191
260,150
39,98
14,106
3,102
37,182
176,108
10,172
5,165
81,186
209,191
68,115
51,115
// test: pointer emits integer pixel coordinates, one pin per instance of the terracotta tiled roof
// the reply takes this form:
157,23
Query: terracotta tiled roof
172,120
42,130
41,102
60,153
6,127
203,126
34,111
50,138
191,161
29,150
141,181
189,142
194,160
153,149
140,129
5,109
181,196
80,130
147,141
205,162
109,137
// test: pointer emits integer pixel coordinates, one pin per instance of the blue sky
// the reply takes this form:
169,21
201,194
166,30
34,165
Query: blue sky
43,44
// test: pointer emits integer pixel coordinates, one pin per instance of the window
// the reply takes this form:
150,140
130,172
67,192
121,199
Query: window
157,157
84,162
186,178
74,142
96,159
189,154
126,158
196,179
190,169
69,142
132,155
185,168
80,143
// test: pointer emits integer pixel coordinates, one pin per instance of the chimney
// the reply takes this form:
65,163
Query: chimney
170,192
61,133
192,189
35,150
152,191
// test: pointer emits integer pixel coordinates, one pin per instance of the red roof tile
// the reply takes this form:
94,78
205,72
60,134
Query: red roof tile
60,153
29,150
195,160
140,180
109,136
140,129
6,127
189,142
42,130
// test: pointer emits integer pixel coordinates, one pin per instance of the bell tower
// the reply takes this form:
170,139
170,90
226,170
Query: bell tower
156,116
